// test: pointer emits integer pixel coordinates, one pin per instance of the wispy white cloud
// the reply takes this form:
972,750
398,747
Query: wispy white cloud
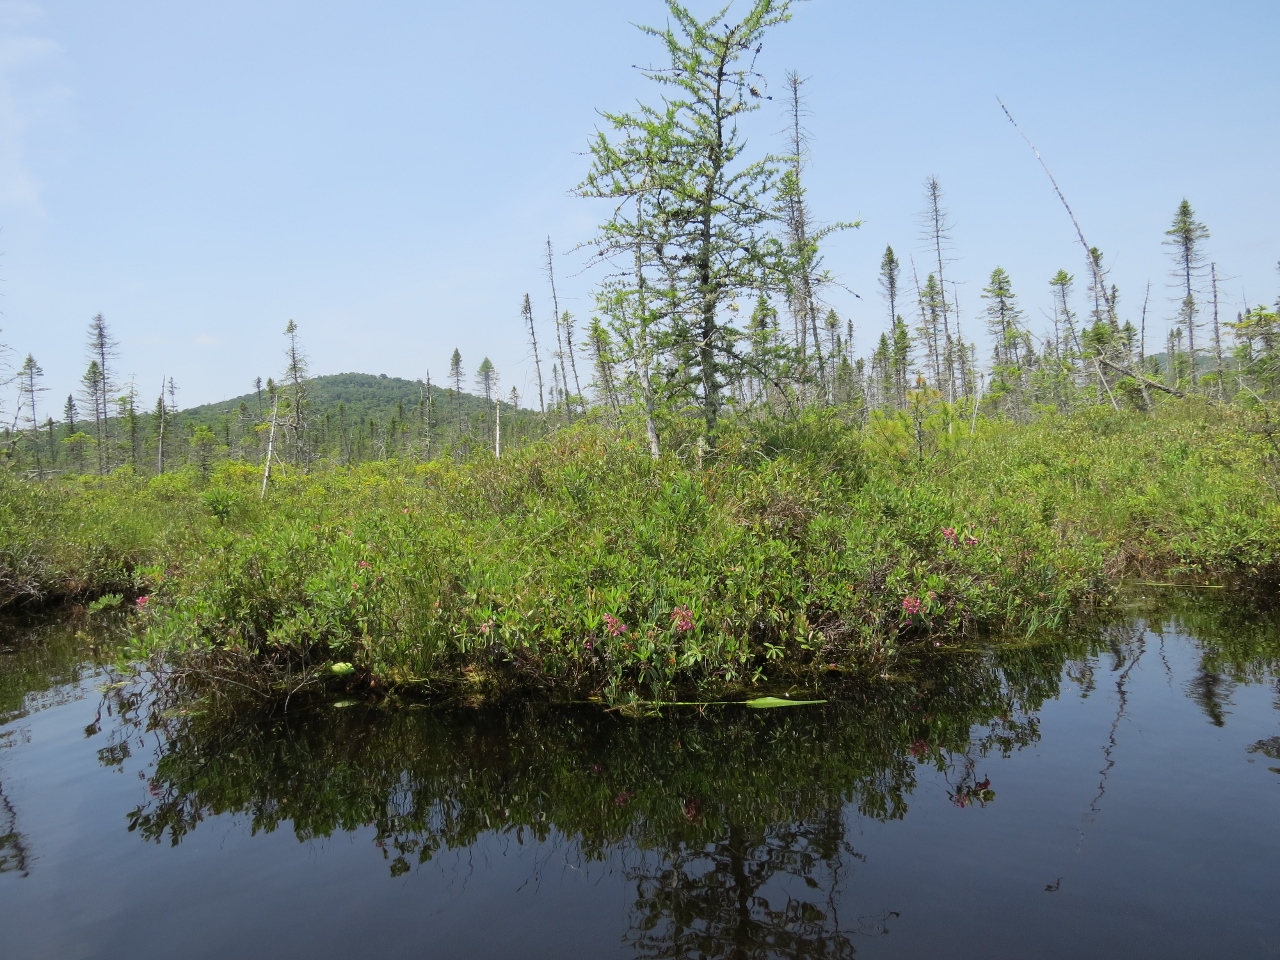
24,100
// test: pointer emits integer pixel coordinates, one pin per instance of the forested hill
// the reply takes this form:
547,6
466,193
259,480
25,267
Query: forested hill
363,396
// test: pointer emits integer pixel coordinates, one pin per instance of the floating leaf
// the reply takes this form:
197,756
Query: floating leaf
341,669
768,703
340,704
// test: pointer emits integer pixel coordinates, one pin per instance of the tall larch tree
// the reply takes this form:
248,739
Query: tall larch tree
706,210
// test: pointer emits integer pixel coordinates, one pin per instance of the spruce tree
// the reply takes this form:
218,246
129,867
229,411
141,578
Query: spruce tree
455,378
102,350
455,371
297,418
127,411
91,391
1009,345
1185,237
159,426
601,350
526,314
804,261
1068,340
486,379
882,373
937,233
890,269
555,316
1219,365
932,332
49,426
29,390
567,322
70,413
900,344
897,343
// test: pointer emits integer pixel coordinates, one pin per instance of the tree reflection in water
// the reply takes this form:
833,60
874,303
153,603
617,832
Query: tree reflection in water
762,892
730,823
14,857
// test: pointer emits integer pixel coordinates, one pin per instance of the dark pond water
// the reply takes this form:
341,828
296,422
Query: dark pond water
1116,794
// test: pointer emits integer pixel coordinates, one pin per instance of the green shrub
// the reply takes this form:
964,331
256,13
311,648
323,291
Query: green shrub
581,562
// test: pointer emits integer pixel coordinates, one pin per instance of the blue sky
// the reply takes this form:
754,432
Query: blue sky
386,173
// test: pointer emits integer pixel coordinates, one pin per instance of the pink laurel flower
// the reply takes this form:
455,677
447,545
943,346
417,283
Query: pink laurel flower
614,626
911,606
682,618
143,601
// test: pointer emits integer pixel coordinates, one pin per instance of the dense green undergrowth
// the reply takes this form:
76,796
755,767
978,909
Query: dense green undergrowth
582,564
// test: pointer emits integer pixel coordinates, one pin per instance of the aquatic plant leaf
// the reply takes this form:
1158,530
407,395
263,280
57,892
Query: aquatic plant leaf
341,669
768,703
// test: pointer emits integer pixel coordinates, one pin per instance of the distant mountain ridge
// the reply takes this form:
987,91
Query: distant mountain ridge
364,397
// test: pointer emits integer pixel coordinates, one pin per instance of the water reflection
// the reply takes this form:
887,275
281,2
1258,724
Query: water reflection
14,857
40,666
730,825
728,822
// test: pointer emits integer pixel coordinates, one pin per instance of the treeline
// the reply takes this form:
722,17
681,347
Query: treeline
295,419
713,304
715,300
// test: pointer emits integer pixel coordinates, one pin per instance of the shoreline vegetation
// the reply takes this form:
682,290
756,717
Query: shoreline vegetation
710,489
582,567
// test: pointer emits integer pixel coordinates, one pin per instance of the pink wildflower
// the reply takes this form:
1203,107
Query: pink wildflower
364,564
614,626
949,534
682,618
911,606
970,541
142,601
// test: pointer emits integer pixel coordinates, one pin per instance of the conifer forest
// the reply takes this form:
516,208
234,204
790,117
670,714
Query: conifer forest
716,481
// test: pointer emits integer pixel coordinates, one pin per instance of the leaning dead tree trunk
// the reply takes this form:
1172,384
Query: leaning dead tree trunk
271,446
1143,380
1094,266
